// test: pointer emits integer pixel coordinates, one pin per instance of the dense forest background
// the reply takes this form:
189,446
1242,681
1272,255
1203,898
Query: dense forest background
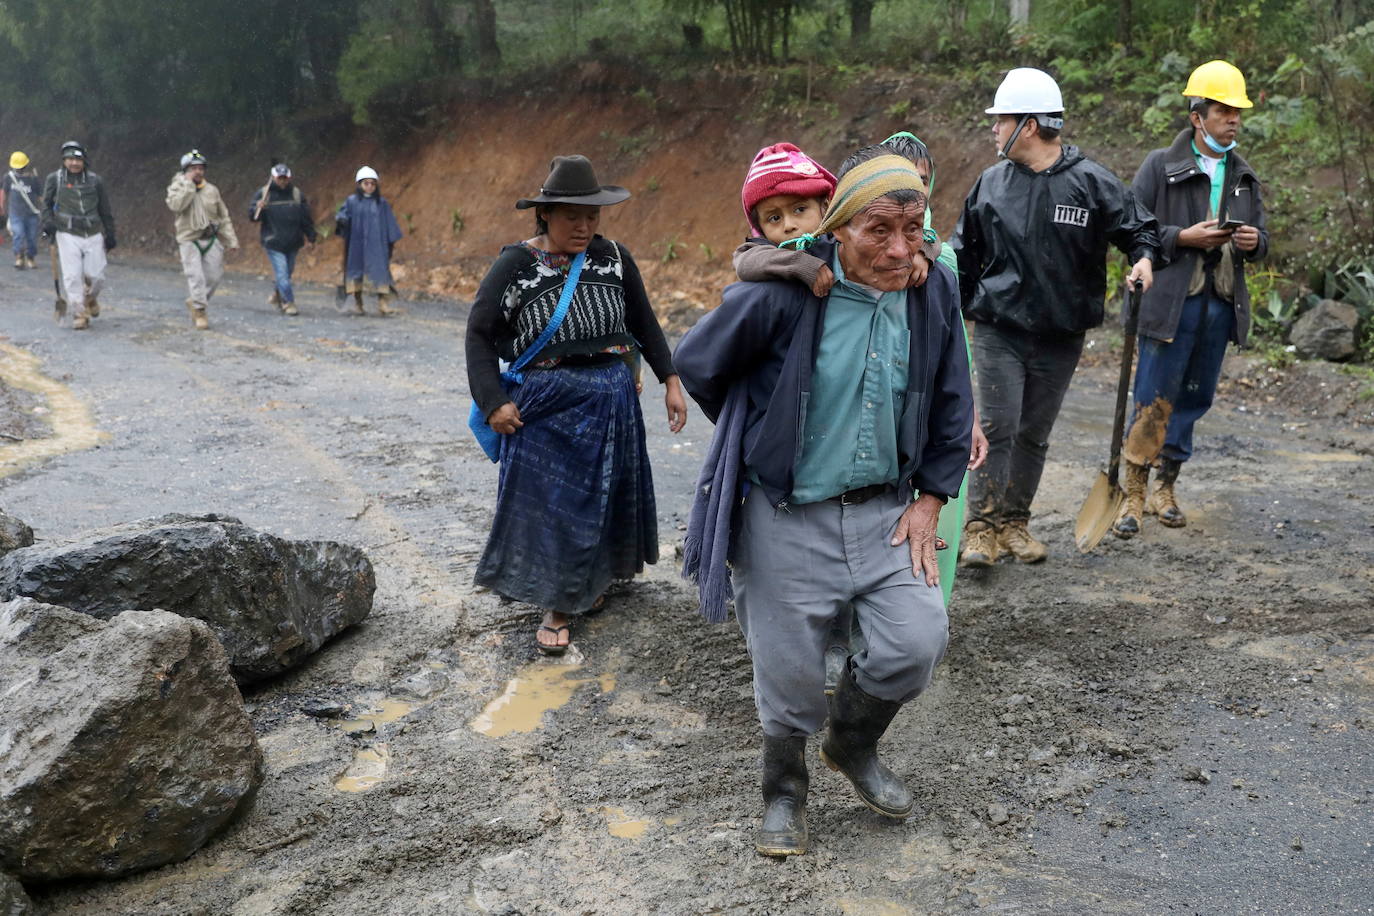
399,68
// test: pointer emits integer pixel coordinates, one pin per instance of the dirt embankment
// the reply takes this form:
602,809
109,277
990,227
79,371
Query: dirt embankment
681,147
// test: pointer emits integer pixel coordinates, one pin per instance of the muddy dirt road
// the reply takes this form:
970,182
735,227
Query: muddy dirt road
1176,724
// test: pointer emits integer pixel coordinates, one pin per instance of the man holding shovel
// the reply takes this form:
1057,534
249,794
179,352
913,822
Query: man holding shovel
1032,244
1211,219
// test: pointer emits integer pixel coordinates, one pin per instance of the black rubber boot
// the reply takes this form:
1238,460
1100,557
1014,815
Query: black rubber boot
783,832
857,721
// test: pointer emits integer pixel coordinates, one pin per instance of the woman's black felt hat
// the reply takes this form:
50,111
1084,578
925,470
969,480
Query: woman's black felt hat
572,181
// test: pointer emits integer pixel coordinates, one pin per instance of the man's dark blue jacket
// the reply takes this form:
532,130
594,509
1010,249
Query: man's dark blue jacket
767,335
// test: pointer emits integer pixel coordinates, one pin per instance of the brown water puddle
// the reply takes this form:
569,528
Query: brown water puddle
388,710
369,767
73,427
538,688
623,826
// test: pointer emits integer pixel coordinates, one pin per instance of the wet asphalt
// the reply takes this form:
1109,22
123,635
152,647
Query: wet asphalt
352,429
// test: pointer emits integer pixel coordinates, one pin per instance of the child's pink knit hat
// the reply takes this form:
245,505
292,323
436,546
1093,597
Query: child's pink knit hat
783,169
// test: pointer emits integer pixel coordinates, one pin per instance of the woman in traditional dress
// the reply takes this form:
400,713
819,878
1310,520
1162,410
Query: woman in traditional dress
575,498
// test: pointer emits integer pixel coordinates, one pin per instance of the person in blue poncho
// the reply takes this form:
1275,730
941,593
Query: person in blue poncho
369,230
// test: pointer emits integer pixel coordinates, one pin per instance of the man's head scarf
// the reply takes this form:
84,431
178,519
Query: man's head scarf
861,186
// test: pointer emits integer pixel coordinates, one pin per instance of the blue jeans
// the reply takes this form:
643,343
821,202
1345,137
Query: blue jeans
24,228
283,263
1177,380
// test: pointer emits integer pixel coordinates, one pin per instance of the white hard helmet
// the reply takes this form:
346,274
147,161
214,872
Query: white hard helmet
366,171
1026,90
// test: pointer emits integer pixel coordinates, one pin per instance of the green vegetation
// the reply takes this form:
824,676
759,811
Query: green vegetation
141,68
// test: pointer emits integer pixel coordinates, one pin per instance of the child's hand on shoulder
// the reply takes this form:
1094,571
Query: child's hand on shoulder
825,278
920,269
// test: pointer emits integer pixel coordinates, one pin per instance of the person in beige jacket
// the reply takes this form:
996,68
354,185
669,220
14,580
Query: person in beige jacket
203,231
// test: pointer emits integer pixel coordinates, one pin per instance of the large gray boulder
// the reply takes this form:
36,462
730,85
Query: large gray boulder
124,744
13,535
272,602
13,900
1326,331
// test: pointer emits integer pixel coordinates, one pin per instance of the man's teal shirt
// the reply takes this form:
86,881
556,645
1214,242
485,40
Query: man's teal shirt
858,391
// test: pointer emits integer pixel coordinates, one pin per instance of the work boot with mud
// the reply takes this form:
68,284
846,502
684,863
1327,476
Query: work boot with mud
783,831
274,299
18,262
382,308
1127,524
980,546
29,263
80,321
198,316
1016,538
358,304
92,306
1162,502
857,722
289,308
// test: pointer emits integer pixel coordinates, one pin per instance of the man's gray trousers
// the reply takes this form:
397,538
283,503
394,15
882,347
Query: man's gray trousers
795,569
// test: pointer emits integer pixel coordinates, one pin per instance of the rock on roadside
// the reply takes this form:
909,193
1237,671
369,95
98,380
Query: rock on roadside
124,744
13,900
13,535
272,602
1326,331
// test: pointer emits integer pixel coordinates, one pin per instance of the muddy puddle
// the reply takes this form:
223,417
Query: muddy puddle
538,688
369,767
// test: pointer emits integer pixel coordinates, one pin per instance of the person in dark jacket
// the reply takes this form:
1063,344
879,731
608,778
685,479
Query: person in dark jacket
857,429
369,231
1207,199
1032,244
76,213
284,213
575,505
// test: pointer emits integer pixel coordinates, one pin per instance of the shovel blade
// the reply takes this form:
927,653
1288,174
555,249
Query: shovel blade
1098,512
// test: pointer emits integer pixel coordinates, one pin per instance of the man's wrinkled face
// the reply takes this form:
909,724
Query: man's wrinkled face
196,173
74,164
878,244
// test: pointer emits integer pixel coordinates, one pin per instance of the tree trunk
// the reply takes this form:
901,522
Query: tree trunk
1125,24
484,33
1019,11
860,20
434,16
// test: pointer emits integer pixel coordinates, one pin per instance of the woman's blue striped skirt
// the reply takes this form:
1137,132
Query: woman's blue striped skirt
575,498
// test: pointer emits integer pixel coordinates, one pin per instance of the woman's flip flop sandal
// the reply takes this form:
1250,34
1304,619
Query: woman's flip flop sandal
552,650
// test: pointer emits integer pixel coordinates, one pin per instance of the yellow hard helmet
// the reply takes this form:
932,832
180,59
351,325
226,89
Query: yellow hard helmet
1219,81
18,160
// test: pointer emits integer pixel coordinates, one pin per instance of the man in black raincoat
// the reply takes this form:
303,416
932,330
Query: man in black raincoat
1032,244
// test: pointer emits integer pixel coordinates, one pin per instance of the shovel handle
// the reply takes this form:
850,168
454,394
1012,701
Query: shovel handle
1123,383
